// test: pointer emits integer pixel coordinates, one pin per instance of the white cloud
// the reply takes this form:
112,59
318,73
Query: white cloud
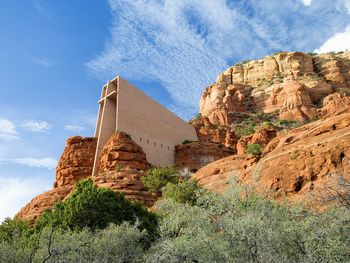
16,192
338,42
36,126
45,62
307,2
184,44
47,163
42,9
8,130
75,128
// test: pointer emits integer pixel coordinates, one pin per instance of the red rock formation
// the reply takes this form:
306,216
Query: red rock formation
76,161
120,164
296,165
217,175
40,203
198,154
262,137
297,104
292,82
208,132
121,151
334,104
128,182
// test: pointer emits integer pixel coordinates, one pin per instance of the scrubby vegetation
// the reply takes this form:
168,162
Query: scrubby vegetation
236,226
254,149
187,141
158,177
95,208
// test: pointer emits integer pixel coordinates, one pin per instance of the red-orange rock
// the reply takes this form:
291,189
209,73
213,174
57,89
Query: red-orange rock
121,151
297,104
208,132
198,154
217,175
291,82
295,165
127,182
334,104
42,202
262,137
76,161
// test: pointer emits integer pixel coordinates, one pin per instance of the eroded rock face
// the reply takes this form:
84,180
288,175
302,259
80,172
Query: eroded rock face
208,132
76,162
296,165
121,164
44,201
217,175
198,154
291,82
121,152
262,137
334,104
128,182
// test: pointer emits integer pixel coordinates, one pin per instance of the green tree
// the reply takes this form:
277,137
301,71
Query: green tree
95,208
158,177
183,192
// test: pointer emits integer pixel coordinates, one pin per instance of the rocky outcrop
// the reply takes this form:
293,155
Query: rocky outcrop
217,175
128,182
76,162
291,82
297,104
44,201
121,165
208,132
261,137
198,154
296,165
121,152
334,104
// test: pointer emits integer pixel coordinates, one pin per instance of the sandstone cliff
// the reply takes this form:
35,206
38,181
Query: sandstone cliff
292,83
121,164
295,165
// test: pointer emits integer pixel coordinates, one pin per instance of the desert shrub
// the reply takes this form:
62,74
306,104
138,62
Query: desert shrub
197,117
254,149
95,208
11,229
158,177
121,243
186,141
239,226
183,192
285,124
247,127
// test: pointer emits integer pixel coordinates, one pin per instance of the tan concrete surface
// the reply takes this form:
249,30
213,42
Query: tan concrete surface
156,129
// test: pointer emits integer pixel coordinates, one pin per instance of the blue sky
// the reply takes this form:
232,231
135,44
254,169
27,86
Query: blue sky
56,55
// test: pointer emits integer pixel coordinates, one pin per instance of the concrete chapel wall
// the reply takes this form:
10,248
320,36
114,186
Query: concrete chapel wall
157,130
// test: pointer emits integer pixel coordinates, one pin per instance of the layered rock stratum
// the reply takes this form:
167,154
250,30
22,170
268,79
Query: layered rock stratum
294,106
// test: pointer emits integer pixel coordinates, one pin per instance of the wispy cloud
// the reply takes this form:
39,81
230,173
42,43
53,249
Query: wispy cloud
8,130
75,128
338,42
307,2
184,44
16,192
45,62
46,163
42,9
36,126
